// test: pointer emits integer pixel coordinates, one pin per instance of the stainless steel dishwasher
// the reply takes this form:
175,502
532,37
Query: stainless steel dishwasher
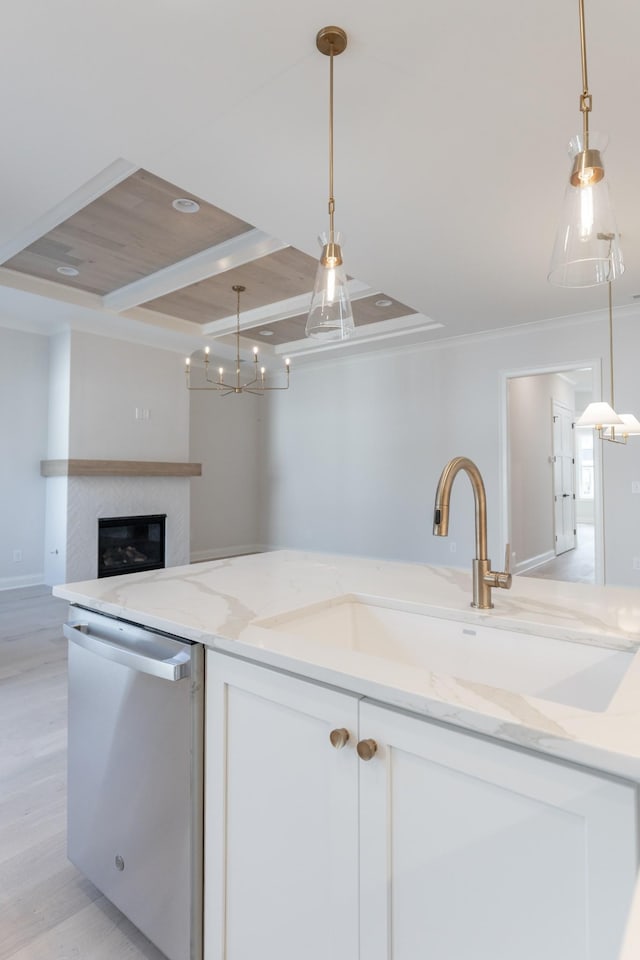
135,774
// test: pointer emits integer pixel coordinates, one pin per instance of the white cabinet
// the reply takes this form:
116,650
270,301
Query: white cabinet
473,850
443,846
281,817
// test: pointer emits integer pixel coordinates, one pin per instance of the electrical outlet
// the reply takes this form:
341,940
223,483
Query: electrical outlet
636,563
17,556
635,486
452,546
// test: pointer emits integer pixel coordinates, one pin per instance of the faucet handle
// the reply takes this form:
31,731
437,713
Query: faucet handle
500,578
504,578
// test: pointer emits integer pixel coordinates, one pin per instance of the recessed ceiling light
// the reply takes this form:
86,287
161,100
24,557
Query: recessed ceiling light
68,271
183,205
266,333
384,303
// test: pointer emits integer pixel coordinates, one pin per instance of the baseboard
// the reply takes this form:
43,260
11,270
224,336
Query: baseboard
532,562
221,553
29,580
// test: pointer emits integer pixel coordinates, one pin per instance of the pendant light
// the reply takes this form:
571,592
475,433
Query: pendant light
330,315
586,250
609,425
256,385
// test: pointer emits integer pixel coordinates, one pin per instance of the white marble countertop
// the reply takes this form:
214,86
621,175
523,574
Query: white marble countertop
218,604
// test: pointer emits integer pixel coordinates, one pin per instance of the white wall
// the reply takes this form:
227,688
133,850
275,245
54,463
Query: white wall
347,460
59,396
226,437
109,380
622,463
59,412
355,448
530,464
350,455
23,443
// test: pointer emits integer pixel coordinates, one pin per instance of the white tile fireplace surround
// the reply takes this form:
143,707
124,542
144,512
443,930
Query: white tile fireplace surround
76,503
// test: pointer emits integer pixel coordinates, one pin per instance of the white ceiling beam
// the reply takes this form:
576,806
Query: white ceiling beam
65,293
367,333
273,312
207,263
49,288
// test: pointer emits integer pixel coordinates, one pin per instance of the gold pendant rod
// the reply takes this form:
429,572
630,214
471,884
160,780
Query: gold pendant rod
585,97
238,338
331,41
613,437
611,344
238,289
332,202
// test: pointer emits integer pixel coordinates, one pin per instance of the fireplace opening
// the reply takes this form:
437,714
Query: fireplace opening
129,544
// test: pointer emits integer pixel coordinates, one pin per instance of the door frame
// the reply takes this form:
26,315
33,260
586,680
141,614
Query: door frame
555,406
504,471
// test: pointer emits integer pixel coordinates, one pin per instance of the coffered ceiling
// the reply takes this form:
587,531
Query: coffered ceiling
451,123
129,232
144,234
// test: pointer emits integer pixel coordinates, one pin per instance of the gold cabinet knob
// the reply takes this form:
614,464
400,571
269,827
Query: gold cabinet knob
339,738
366,749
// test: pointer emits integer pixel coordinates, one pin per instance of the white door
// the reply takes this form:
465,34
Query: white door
471,850
564,500
281,843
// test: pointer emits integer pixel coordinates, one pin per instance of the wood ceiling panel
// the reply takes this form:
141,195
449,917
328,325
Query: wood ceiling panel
278,276
130,232
284,331
365,311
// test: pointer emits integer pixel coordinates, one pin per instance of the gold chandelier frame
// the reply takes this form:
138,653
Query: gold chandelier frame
257,385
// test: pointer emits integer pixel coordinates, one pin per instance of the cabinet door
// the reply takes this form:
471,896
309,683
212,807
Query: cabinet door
471,850
281,846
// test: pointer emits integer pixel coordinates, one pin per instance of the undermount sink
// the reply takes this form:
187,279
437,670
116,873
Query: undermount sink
563,671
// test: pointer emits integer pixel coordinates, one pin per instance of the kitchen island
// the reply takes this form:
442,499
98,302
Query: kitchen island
388,802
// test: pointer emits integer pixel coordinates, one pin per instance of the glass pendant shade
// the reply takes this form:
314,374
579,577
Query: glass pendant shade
599,415
330,314
586,250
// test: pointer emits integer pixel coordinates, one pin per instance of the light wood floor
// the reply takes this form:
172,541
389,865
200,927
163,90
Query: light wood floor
48,911
577,565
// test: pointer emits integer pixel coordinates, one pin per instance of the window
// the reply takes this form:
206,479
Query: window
584,464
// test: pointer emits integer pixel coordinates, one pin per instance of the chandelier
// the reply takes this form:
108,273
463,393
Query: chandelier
256,385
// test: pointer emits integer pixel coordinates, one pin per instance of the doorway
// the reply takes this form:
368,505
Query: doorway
552,512
563,459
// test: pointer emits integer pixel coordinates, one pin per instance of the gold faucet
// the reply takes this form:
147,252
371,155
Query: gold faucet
484,578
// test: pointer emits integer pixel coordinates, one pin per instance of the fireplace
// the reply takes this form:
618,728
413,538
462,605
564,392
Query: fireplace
130,544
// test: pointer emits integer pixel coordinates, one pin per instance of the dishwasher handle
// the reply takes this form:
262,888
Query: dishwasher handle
166,668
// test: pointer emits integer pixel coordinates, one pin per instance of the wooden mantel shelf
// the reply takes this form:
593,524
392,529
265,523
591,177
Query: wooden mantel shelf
118,468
